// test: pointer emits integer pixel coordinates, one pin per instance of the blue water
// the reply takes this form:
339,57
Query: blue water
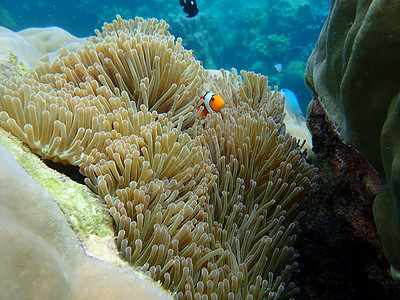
244,34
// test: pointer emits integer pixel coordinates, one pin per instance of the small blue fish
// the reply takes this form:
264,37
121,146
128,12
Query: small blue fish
278,67
292,104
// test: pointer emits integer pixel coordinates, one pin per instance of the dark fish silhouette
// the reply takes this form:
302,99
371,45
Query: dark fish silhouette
189,7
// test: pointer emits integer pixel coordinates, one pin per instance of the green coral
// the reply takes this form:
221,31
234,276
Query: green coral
354,69
387,202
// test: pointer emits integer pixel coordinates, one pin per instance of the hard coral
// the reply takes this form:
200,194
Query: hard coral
341,242
354,70
209,208
42,258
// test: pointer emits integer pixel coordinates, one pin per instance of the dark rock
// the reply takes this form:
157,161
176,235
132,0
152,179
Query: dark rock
341,254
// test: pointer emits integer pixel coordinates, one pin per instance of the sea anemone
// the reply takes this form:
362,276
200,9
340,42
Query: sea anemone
210,208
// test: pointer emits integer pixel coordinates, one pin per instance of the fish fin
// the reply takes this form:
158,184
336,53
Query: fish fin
182,3
204,111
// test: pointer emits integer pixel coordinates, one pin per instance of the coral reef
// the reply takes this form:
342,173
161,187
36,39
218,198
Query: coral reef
281,32
198,34
209,208
357,79
41,257
273,22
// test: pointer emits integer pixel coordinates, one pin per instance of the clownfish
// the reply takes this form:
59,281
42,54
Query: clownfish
212,102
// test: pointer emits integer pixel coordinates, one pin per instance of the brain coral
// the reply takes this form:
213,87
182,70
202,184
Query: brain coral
210,208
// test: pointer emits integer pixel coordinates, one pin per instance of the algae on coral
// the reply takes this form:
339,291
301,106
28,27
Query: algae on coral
84,211
42,258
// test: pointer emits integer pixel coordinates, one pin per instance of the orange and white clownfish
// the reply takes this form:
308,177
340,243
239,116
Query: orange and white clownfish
212,102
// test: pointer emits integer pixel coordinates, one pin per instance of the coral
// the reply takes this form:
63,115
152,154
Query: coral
274,21
17,64
341,242
11,42
104,248
49,40
297,127
10,66
209,208
85,213
29,45
279,42
357,79
41,257
199,34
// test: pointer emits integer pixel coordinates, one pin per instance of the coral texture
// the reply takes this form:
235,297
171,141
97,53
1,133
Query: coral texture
41,257
354,70
210,208
29,45
84,211
341,242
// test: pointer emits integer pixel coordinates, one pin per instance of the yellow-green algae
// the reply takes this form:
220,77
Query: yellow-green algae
83,209
11,66
18,65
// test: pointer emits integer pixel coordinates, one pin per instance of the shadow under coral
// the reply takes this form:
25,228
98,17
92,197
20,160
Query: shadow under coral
341,254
